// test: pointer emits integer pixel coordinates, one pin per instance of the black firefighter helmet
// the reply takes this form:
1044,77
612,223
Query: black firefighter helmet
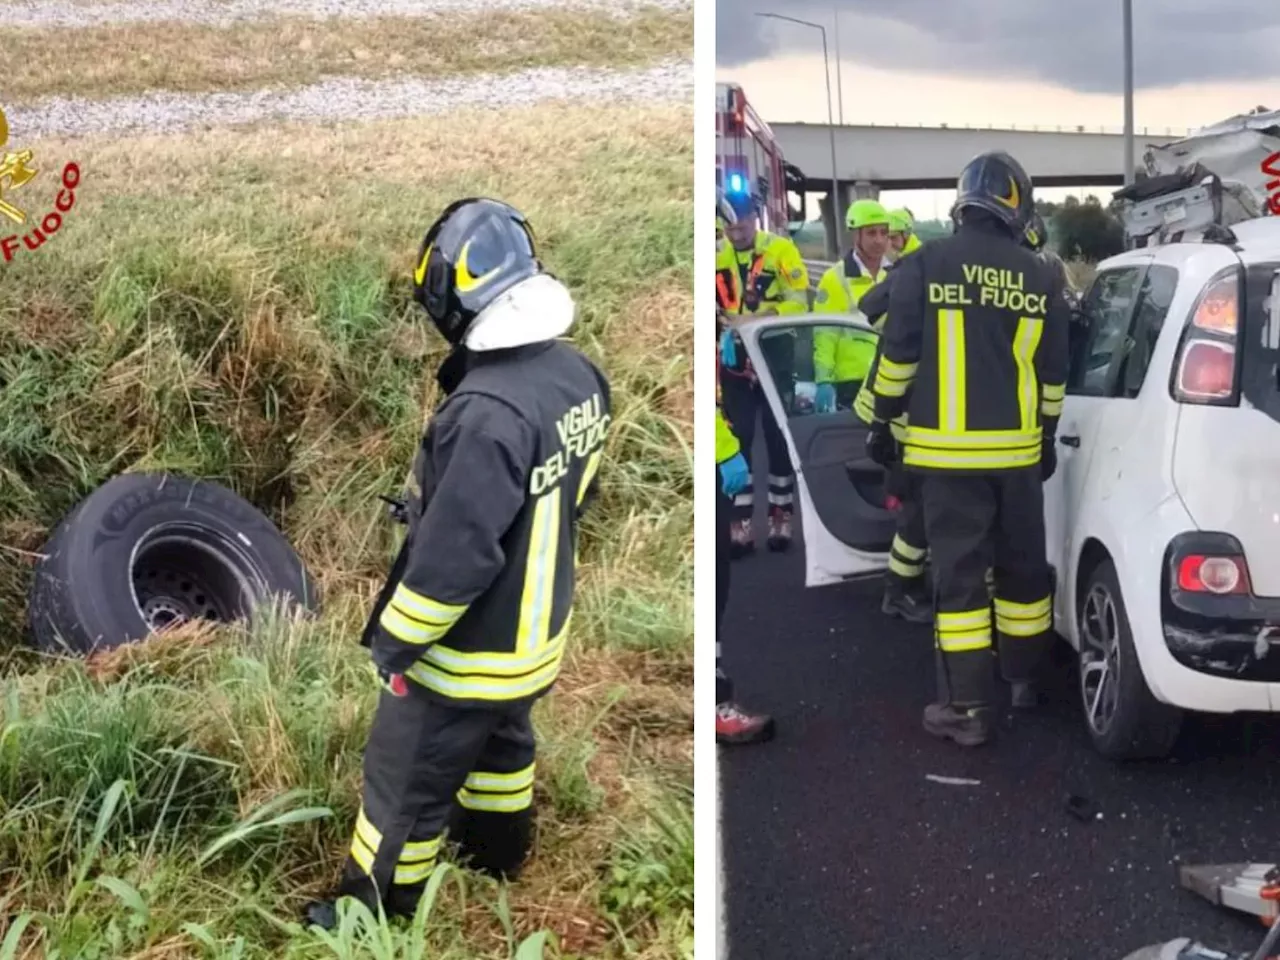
476,251
996,183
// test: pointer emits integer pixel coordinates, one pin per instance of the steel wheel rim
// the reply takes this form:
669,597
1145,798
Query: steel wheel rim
1100,658
180,573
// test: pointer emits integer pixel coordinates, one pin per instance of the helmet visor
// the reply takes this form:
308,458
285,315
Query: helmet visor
994,181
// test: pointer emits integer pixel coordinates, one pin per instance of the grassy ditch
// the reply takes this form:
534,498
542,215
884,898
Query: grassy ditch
224,307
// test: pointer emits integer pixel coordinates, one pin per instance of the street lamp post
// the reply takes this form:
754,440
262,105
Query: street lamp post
1128,93
839,83
831,120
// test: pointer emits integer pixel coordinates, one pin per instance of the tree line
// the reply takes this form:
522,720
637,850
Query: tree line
1078,229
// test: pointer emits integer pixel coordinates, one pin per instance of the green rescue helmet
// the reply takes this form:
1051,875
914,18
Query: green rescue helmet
901,221
866,213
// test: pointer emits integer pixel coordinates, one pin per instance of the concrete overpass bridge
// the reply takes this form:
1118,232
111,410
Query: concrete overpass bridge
874,158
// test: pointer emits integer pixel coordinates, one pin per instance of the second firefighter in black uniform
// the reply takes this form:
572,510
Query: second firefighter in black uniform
975,352
905,593
471,626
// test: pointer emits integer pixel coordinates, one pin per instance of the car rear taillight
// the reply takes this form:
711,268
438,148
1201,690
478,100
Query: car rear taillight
1206,367
1207,370
1200,573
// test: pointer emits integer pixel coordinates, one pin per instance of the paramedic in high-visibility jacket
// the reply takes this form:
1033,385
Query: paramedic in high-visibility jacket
758,274
976,337
472,623
902,236
842,356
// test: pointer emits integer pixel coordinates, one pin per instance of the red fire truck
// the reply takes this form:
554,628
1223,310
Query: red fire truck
749,160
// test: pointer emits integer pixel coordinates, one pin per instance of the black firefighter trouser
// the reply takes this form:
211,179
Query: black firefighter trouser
431,766
975,523
743,402
910,545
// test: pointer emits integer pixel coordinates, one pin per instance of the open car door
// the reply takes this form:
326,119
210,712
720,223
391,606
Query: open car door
847,529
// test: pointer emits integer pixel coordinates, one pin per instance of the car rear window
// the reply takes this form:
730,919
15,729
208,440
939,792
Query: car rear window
1261,339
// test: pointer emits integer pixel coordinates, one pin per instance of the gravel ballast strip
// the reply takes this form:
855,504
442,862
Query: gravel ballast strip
64,13
345,98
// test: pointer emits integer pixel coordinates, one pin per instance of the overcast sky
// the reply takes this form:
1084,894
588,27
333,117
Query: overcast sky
1002,62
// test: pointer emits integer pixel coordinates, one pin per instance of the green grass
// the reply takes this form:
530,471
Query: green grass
182,798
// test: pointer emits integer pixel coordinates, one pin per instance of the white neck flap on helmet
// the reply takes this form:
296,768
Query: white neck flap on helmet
539,308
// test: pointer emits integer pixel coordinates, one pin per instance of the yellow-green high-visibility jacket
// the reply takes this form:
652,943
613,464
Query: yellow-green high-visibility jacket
727,445
875,305
840,354
911,246
770,274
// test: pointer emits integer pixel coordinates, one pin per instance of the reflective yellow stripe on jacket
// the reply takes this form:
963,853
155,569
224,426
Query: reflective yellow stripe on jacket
535,662
489,676
953,444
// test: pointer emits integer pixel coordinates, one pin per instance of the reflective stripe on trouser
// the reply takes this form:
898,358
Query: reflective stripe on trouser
909,550
780,491
976,523
743,403
421,755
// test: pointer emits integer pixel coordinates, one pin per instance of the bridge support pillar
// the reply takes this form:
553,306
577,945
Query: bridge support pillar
833,221
866,190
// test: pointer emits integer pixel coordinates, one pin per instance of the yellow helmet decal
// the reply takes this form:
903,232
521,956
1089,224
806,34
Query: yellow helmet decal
1014,197
467,282
420,272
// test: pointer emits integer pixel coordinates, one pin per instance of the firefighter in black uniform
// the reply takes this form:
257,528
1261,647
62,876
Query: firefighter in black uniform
905,592
471,625
975,351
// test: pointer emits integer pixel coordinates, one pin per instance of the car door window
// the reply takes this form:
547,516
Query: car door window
1100,332
1155,296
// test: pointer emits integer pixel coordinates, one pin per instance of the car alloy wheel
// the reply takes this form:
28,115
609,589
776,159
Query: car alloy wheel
1099,658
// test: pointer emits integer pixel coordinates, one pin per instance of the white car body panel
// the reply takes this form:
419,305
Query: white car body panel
827,559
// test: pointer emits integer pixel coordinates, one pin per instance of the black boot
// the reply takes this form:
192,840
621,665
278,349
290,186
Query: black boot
493,843
320,913
358,885
906,600
967,726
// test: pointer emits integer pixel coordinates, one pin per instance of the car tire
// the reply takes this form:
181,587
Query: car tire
1123,717
146,551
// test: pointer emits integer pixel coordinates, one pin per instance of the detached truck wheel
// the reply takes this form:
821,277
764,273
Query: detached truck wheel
146,551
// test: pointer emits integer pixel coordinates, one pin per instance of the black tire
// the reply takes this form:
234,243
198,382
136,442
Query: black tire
148,550
1139,726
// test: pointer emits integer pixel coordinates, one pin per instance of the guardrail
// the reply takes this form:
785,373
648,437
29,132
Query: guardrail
1020,128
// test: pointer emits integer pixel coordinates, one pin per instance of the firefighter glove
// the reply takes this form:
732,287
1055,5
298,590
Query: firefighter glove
728,349
1048,458
824,400
393,683
734,475
881,447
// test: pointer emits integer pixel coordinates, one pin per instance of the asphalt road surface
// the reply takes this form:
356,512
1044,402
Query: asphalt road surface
836,844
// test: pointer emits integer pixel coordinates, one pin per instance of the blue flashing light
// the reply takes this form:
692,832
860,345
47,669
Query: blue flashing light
737,183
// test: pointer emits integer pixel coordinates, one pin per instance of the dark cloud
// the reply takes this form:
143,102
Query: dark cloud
1072,43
